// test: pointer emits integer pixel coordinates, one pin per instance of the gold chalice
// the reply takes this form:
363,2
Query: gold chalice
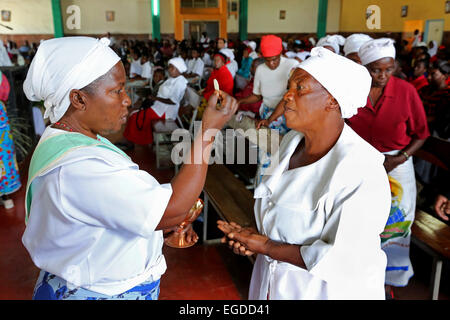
178,238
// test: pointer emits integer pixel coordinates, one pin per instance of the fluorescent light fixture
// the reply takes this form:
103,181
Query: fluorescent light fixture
155,10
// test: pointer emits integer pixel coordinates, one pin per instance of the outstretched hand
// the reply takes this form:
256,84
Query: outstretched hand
243,241
216,116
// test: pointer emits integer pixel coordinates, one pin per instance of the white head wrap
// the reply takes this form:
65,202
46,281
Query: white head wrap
179,64
348,82
63,64
433,51
376,49
228,52
252,44
5,61
312,41
354,42
333,41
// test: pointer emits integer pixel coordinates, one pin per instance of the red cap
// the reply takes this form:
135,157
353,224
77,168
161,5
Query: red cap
271,45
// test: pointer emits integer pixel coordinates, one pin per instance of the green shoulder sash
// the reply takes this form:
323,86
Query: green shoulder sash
53,149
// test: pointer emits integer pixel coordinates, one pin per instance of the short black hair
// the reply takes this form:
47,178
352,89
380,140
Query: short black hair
442,65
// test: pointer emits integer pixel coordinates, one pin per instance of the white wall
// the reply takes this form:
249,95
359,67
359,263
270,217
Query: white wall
28,17
301,16
131,16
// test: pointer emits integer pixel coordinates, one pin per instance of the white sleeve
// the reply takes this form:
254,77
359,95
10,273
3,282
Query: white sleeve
178,91
349,249
146,71
120,198
257,82
198,67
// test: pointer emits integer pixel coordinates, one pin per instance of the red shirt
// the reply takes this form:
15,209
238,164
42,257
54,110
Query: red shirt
225,80
419,82
397,117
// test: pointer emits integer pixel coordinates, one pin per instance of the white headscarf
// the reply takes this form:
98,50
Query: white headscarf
348,82
228,52
179,64
252,44
354,42
333,41
376,49
432,51
63,64
5,61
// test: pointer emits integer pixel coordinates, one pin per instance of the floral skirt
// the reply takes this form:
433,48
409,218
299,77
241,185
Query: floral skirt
396,237
52,287
10,178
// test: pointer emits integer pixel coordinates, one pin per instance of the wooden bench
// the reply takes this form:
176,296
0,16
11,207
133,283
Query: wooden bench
229,197
433,236
427,232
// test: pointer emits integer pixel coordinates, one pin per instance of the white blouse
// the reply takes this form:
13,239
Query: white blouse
335,209
173,89
92,221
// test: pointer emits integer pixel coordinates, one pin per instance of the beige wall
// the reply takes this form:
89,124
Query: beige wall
301,16
353,14
131,16
333,16
28,17
167,16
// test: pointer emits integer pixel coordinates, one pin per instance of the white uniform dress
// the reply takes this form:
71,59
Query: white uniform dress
93,219
335,209
173,89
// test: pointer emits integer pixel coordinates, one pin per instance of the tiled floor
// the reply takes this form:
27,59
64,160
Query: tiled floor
200,272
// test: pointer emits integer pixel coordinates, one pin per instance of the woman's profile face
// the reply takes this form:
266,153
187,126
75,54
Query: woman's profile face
218,62
305,101
381,71
107,106
173,71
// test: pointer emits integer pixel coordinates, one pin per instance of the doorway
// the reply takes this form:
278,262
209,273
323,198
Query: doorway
194,29
434,30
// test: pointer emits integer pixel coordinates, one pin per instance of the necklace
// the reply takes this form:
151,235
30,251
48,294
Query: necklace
64,126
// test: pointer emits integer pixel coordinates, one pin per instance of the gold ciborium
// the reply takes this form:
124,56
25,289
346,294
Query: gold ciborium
178,238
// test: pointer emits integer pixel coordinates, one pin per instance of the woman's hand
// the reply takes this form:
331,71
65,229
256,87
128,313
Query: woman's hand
442,207
391,162
215,118
191,235
262,122
243,241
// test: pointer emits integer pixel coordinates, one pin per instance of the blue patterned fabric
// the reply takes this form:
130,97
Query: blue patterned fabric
51,287
10,178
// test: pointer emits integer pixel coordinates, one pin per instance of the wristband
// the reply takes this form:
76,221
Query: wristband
405,154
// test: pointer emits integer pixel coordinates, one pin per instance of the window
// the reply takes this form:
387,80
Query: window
199,3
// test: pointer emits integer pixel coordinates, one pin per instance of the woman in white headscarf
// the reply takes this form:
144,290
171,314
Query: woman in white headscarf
352,45
394,123
164,106
5,61
332,42
94,219
321,210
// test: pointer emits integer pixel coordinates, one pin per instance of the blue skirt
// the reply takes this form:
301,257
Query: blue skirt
52,287
10,178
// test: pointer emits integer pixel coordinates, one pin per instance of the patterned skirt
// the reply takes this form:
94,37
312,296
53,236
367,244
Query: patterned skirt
396,237
10,178
52,287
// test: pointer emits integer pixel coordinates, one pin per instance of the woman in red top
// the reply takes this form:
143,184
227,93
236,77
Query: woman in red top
222,75
394,122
